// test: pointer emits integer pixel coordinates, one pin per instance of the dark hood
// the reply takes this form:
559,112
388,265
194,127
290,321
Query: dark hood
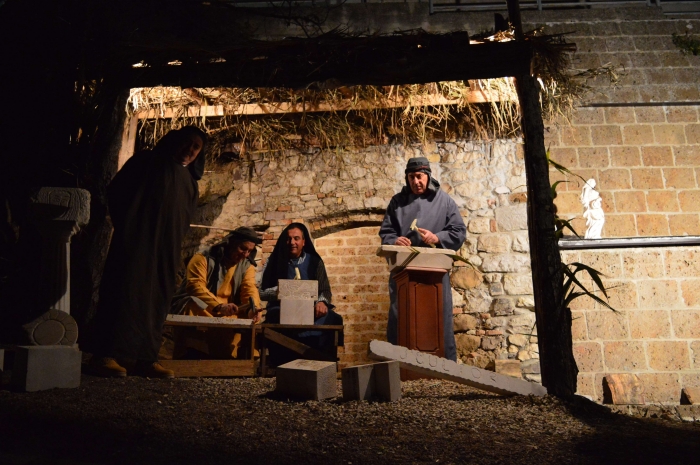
279,258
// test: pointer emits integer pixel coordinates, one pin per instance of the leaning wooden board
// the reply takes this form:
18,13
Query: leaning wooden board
210,368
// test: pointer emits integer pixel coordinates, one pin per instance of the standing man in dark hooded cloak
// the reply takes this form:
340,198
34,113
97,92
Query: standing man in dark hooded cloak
295,256
151,201
440,224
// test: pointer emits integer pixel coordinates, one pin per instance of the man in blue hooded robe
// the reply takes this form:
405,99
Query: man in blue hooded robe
440,224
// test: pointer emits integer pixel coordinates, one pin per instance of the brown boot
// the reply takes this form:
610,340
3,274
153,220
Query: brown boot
154,370
106,367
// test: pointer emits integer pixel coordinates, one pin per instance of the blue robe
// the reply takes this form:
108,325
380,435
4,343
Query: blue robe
438,213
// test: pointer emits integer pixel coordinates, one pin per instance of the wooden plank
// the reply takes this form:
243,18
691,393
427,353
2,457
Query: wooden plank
304,327
209,368
385,60
207,321
477,96
296,346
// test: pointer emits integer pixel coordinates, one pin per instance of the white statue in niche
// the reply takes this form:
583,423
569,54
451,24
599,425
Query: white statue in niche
592,210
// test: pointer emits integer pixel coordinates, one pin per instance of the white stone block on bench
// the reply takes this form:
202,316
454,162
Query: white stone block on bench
307,379
296,312
420,257
298,289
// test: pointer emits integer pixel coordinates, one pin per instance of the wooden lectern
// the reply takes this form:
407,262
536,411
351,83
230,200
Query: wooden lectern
418,275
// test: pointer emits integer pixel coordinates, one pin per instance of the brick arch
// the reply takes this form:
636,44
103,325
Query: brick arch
359,281
320,227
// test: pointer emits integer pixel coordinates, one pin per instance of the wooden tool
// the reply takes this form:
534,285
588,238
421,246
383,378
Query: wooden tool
415,228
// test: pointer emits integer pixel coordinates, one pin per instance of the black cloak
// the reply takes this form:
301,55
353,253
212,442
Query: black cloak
151,201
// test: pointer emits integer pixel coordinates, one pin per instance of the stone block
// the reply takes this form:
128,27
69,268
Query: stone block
650,324
642,264
37,368
358,382
517,284
466,278
298,289
690,396
652,225
464,322
512,218
630,202
531,367
442,368
606,325
387,381
659,294
624,356
647,178
615,226
374,381
494,243
661,387
686,323
684,224
307,379
588,356
466,343
668,355
625,156
662,201
623,389
508,367
505,263
296,312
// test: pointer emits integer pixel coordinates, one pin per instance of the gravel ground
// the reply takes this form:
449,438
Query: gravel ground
202,421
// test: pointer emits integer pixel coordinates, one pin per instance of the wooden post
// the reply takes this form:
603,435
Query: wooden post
557,361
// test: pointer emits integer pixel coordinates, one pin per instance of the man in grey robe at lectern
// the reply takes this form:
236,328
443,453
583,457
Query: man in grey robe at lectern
439,224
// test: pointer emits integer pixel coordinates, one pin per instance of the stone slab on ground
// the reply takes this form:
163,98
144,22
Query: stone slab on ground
373,381
358,382
438,367
37,368
689,395
623,389
387,381
296,311
307,379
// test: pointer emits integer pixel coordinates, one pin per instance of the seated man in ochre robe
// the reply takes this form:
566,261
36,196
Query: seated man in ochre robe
295,257
218,281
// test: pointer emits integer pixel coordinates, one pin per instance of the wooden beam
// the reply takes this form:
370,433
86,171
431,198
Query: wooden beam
296,346
209,368
334,62
553,319
195,111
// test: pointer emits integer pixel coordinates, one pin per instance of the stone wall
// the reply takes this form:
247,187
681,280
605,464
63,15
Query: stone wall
340,195
639,140
655,332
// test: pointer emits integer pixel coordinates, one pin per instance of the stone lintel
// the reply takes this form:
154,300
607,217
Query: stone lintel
438,367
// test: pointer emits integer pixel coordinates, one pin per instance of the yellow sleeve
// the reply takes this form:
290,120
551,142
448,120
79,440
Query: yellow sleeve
197,281
248,288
